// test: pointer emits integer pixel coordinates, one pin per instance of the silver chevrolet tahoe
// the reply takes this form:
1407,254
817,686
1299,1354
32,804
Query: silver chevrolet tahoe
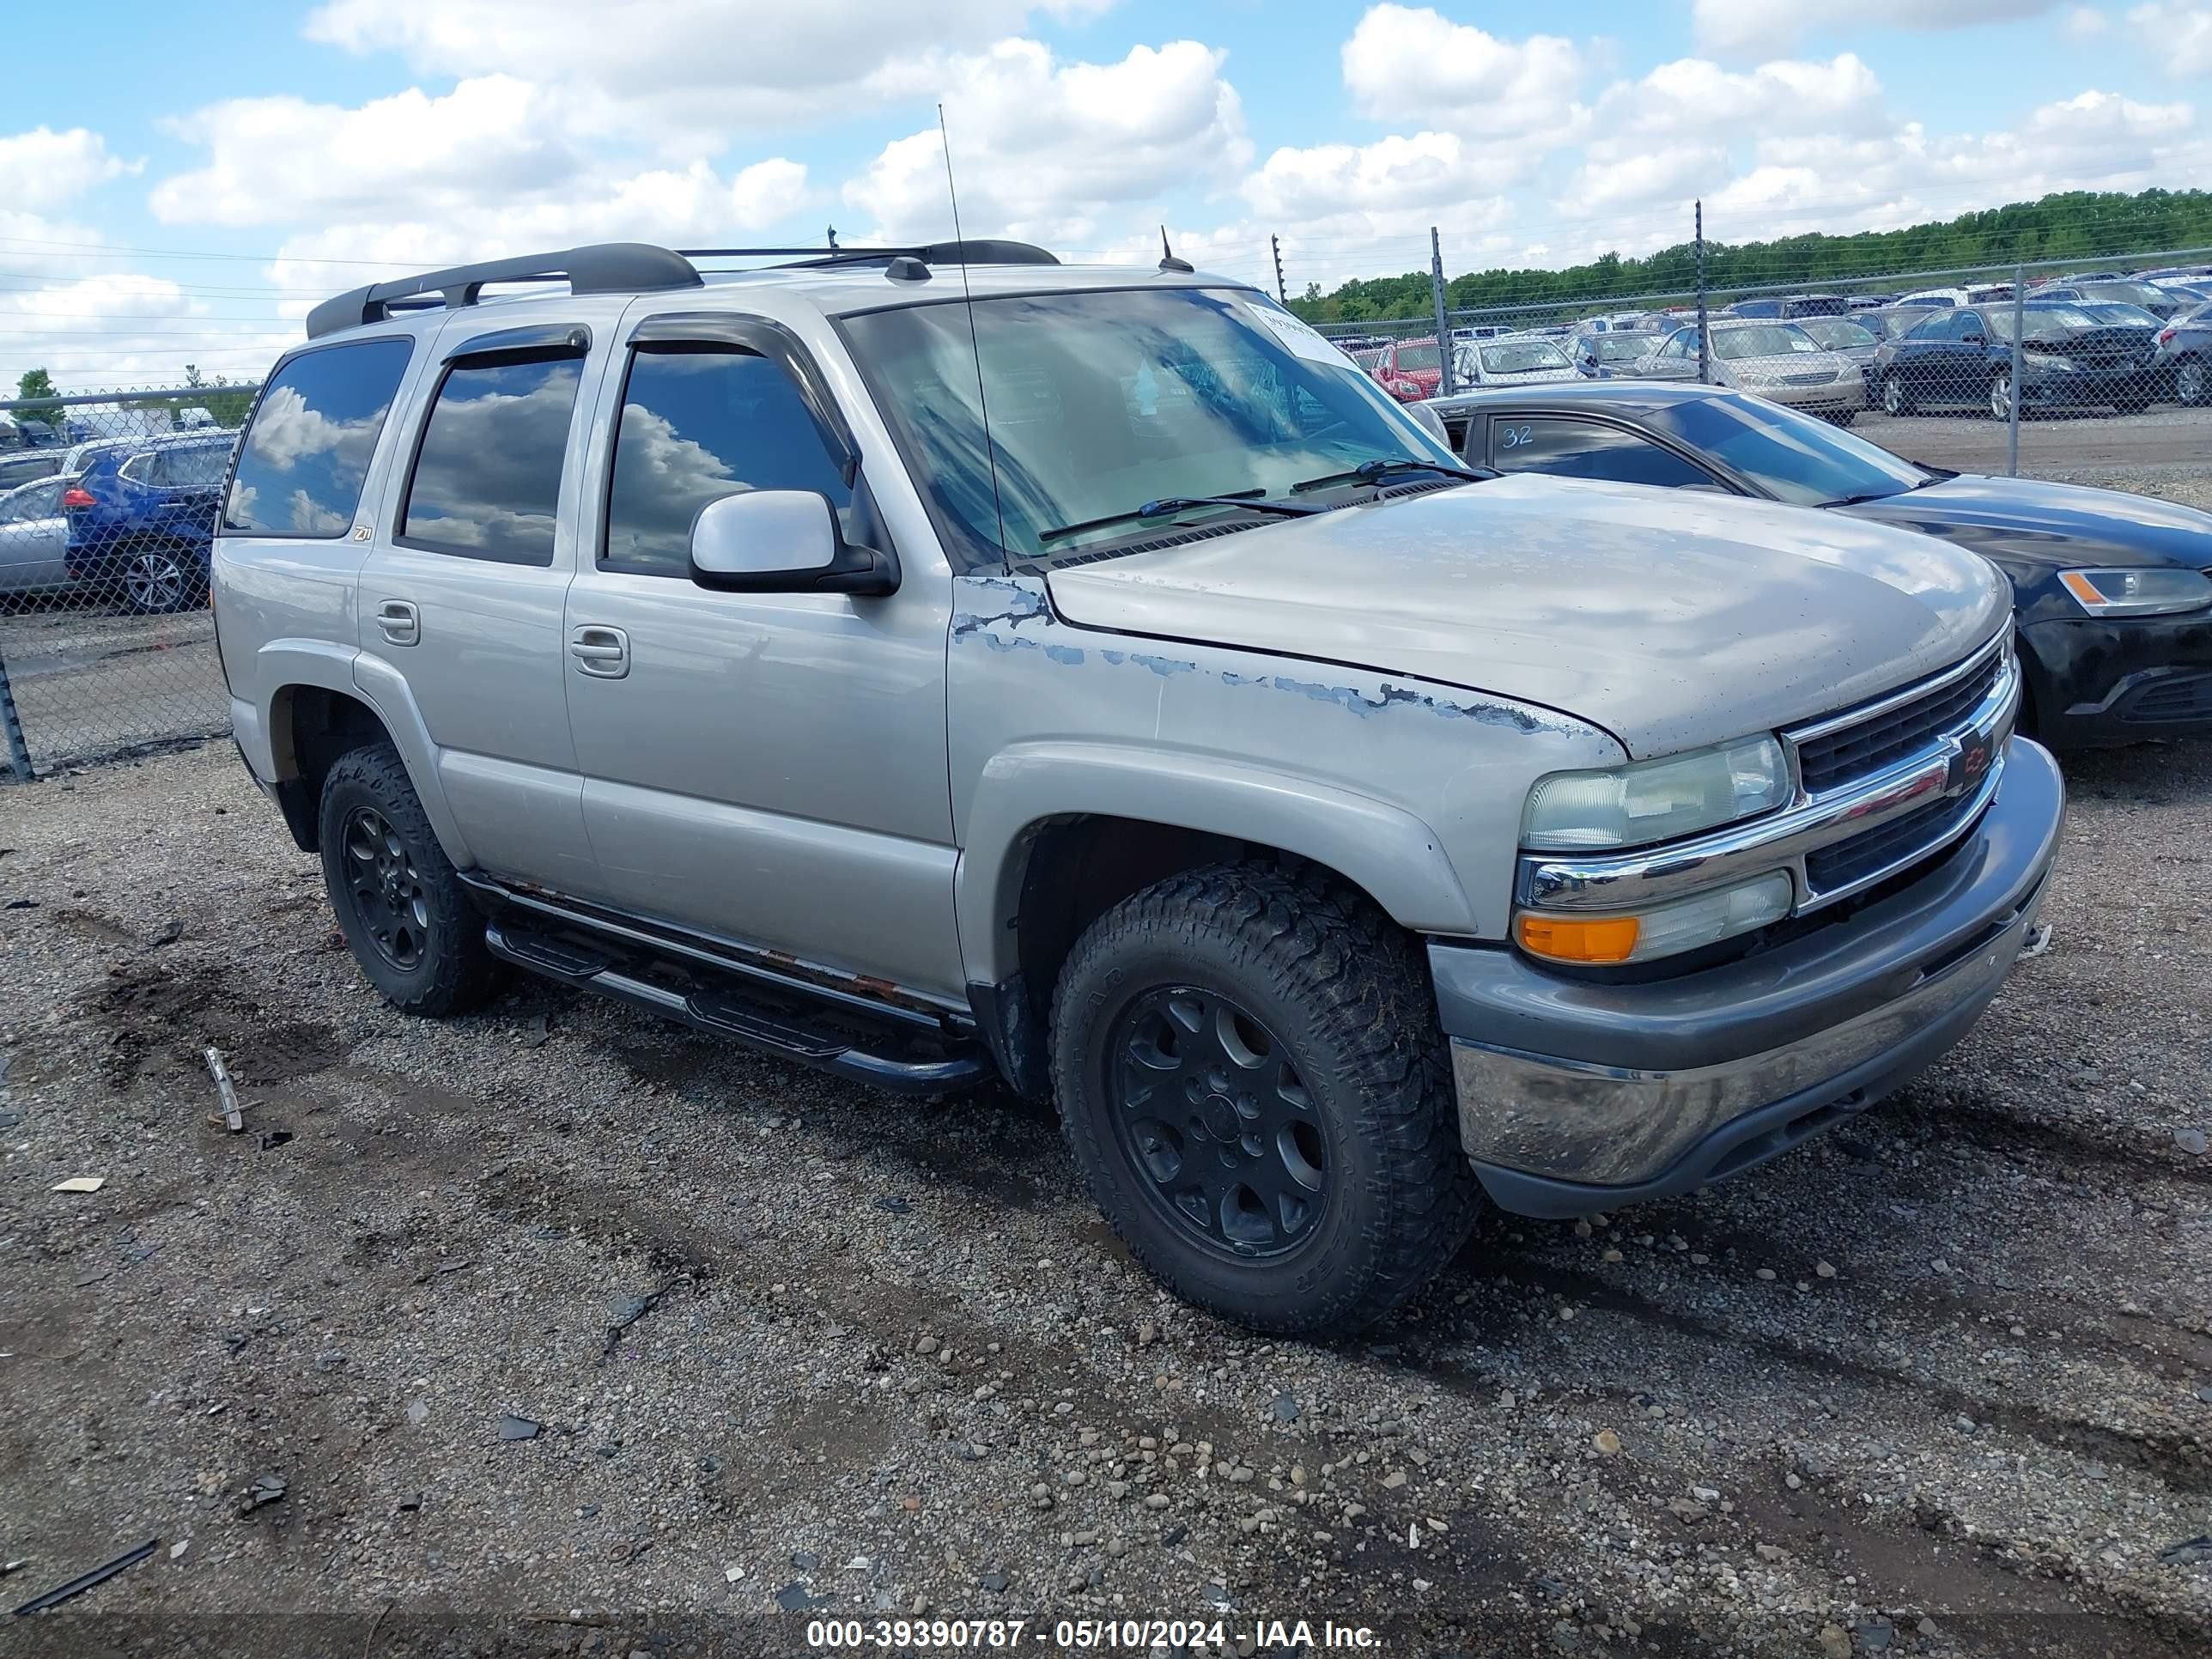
939,662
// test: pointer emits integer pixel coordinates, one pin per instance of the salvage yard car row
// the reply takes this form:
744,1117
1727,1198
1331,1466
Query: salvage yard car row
2091,342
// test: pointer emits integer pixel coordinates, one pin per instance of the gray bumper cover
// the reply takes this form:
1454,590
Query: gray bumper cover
1576,1095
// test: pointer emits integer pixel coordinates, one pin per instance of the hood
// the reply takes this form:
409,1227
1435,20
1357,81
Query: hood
1795,367
1671,618
2051,525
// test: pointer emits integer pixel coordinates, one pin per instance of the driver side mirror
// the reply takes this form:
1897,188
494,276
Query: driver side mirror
783,541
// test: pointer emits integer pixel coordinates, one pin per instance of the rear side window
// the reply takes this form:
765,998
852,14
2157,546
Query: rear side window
1585,449
201,466
697,425
487,479
301,465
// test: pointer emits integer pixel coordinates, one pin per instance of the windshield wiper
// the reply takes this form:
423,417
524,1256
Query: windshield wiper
1167,506
1374,472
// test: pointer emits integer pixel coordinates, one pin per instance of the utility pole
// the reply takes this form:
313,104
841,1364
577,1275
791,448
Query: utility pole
1446,382
1281,293
1705,334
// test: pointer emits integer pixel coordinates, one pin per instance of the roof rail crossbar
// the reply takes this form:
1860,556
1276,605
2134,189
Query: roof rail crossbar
599,268
982,252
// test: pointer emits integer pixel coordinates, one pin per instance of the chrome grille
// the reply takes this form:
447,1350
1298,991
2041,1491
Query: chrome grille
1816,377
1845,752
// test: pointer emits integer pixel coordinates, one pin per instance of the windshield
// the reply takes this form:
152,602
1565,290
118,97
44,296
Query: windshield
2131,294
1520,357
1419,357
1767,340
2044,321
1835,333
1620,348
1100,401
1794,458
2113,311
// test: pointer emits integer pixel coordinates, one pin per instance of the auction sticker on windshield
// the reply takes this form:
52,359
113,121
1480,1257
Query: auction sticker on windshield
1305,341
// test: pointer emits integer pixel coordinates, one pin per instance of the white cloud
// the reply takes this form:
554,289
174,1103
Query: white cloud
2178,34
1695,96
1618,175
1407,65
43,169
1754,25
282,159
684,71
1043,147
2086,23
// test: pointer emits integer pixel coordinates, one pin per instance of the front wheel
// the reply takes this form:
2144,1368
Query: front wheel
1895,399
399,903
2190,385
1252,1081
2000,395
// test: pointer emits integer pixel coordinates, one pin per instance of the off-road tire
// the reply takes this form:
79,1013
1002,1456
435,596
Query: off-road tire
454,971
1346,994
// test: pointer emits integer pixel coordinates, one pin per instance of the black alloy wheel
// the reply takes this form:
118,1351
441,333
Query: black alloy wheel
388,894
1216,1124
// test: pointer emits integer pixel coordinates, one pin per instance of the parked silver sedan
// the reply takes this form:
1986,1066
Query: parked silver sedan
1514,360
1776,360
33,538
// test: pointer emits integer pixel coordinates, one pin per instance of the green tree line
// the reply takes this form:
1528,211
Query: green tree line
2088,226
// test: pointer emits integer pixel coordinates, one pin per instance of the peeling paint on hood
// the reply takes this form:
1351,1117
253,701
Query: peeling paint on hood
1673,619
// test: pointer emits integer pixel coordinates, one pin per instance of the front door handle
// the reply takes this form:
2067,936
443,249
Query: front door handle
600,652
399,622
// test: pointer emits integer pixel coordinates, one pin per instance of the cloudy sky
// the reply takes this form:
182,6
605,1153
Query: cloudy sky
186,180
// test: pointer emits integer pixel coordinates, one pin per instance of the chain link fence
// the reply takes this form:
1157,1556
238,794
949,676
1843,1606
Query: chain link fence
108,510
2101,371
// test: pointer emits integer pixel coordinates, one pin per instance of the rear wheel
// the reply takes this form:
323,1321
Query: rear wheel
1895,399
2190,385
399,902
155,581
1251,1078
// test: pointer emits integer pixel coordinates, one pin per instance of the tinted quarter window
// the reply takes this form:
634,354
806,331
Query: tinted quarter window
301,467
487,481
1584,449
697,424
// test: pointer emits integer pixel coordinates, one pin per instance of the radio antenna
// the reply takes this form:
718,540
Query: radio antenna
975,345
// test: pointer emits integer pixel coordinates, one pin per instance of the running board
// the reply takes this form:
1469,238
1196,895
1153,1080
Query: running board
727,1013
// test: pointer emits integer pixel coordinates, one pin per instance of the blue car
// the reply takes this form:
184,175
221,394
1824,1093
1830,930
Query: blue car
142,517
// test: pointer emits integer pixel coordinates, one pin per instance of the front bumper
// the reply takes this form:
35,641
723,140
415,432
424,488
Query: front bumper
2097,682
1576,1096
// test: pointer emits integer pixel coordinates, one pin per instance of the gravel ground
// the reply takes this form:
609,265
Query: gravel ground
1940,1382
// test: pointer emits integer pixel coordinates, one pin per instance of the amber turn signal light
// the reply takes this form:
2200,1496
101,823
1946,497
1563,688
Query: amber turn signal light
1579,938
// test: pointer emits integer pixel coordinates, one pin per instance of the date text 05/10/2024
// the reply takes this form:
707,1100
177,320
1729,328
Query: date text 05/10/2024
1080,1635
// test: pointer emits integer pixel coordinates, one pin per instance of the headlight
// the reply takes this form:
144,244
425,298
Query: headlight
2154,592
2046,360
1664,931
1656,800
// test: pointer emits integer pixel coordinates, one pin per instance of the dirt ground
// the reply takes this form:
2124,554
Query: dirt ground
1940,1382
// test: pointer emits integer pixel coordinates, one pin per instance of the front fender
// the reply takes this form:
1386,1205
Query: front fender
1387,850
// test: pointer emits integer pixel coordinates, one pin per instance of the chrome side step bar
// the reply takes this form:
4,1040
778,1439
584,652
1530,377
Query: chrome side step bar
725,1010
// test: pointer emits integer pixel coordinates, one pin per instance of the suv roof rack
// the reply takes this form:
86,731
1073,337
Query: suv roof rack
988,251
599,268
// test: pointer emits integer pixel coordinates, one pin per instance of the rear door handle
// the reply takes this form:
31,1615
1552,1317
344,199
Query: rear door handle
399,622
600,652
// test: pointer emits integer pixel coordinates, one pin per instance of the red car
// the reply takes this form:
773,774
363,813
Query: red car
1410,370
